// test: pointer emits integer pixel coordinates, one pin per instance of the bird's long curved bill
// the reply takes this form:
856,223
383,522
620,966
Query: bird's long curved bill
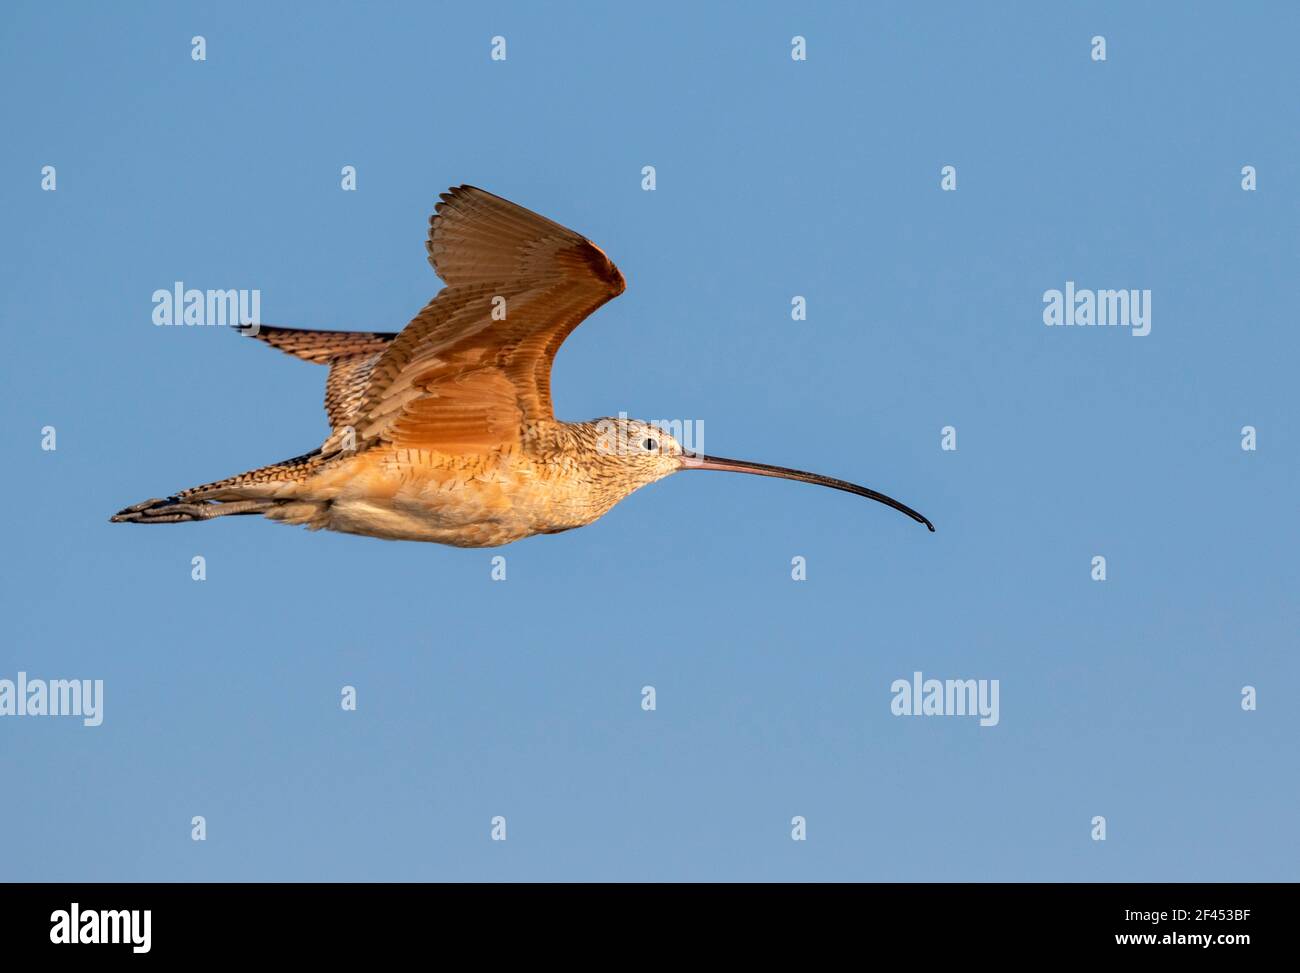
701,462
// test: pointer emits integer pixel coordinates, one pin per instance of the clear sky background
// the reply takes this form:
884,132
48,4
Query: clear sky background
775,178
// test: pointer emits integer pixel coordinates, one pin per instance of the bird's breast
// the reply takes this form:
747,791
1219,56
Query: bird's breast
479,501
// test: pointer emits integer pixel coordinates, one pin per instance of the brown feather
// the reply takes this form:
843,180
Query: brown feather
486,247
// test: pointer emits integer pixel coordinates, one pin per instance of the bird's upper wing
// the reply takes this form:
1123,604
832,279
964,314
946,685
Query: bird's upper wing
350,356
476,362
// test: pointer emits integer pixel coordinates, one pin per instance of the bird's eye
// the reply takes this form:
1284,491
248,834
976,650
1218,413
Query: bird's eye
650,445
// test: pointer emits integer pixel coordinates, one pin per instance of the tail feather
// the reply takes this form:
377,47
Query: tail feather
286,471
222,498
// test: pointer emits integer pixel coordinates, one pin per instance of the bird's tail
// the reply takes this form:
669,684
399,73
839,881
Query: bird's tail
223,498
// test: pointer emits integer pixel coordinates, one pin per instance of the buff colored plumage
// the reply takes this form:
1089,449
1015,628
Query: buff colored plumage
445,431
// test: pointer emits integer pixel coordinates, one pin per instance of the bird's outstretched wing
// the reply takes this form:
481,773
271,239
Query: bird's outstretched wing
350,356
476,362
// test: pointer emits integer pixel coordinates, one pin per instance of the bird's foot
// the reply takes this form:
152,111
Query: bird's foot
174,510
160,511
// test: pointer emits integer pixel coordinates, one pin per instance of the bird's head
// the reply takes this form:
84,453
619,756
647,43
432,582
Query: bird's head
642,453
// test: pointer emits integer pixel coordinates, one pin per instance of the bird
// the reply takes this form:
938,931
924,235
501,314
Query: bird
444,431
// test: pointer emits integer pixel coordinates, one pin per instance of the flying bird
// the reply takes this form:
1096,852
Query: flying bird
444,431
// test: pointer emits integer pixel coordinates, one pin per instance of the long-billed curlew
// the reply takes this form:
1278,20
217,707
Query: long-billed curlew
444,431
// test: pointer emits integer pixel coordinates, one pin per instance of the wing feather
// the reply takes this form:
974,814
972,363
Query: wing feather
518,284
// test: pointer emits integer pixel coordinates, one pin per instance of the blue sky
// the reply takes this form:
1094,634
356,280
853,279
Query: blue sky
775,178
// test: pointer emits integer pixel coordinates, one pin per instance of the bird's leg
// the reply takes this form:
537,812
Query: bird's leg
174,511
